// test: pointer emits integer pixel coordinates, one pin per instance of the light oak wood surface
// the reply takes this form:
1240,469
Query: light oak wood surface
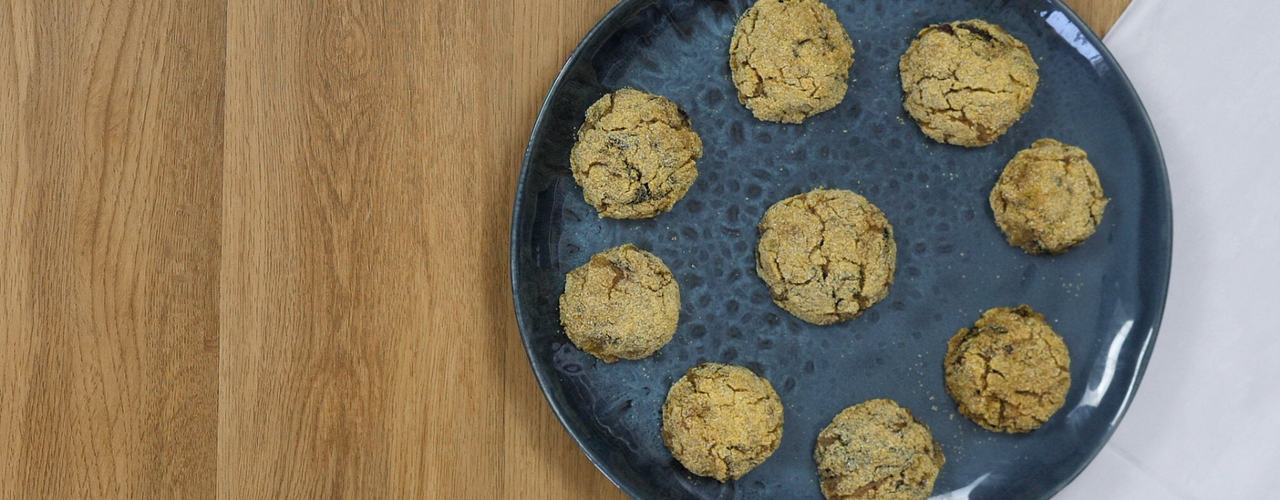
258,249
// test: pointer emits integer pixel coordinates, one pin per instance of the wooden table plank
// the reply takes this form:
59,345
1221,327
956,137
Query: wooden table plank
365,305
110,164
1101,15
540,461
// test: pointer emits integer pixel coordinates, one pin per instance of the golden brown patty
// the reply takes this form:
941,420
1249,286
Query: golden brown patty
966,82
721,421
790,59
1049,198
636,155
1010,372
877,450
623,303
826,255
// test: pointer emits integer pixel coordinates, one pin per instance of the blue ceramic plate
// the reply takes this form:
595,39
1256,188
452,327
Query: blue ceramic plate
1105,297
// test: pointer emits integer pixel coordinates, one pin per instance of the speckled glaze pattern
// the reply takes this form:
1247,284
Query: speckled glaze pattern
1105,297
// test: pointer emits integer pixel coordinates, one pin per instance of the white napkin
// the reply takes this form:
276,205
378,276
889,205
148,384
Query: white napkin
1206,420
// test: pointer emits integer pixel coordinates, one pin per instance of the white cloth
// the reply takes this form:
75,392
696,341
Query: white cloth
1204,424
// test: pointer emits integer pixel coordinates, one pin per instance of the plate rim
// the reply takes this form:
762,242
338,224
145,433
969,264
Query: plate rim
624,7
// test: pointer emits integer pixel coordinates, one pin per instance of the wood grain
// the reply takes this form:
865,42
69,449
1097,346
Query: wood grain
365,300
110,165
1101,15
318,306
333,297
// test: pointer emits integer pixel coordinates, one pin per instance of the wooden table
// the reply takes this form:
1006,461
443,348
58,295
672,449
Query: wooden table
259,248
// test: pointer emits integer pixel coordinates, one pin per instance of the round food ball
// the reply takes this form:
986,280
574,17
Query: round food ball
1010,372
721,421
636,155
967,82
877,449
790,59
826,255
1048,199
623,303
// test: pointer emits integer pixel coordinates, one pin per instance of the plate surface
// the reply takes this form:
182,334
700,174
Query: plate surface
1105,297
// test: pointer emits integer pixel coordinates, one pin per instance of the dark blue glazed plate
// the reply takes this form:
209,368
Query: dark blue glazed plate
1105,297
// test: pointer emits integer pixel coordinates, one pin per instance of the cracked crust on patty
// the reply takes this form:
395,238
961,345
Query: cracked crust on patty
790,59
1010,372
623,303
1048,198
877,450
636,155
721,421
967,82
826,255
